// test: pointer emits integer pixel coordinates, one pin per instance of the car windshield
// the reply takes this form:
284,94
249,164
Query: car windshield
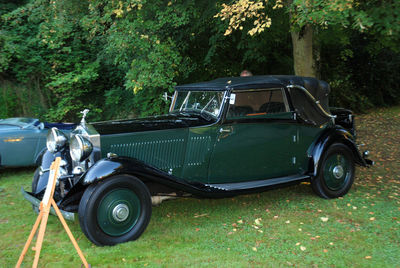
20,122
207,103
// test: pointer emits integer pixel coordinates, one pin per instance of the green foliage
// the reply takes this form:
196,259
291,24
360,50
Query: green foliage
361,70
118,57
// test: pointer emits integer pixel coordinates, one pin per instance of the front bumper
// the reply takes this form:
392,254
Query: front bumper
36,203
367,161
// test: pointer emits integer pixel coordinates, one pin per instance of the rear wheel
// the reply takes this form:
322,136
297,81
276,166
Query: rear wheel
335,172
115,210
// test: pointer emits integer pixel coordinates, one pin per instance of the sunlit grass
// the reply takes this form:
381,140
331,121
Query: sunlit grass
294,226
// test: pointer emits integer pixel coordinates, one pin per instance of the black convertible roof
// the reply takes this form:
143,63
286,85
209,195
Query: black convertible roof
318,88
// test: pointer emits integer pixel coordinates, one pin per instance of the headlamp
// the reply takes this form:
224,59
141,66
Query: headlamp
80,148
55,140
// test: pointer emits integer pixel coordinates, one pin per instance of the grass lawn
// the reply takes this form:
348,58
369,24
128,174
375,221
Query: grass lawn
285,227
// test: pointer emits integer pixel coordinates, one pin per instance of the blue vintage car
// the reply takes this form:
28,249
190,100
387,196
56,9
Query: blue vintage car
23,140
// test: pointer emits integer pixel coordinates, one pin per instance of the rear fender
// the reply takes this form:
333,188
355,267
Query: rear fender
336,135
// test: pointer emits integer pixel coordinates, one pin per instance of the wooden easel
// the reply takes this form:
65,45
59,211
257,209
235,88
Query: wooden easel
45,206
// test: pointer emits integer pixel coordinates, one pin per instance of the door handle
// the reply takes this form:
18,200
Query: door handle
225,130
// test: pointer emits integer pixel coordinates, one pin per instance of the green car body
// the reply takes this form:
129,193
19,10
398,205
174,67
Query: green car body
221,138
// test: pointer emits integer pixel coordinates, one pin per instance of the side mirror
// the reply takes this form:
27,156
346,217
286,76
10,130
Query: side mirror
40,126
166,97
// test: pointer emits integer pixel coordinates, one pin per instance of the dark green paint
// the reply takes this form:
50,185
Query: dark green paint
105,217
254,147
164,149
251,151
201,142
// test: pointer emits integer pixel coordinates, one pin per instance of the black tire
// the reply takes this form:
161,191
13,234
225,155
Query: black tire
115,210
335,172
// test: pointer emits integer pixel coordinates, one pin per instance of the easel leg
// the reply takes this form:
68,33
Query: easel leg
53,203
40,237
28,242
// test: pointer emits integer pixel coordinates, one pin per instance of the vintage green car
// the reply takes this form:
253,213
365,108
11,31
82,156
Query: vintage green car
220,138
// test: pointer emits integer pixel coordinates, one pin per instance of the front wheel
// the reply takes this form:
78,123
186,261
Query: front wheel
335,172
115,210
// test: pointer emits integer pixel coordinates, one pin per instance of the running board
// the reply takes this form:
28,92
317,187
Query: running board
255,184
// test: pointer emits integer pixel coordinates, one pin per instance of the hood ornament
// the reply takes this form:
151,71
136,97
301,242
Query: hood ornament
84,113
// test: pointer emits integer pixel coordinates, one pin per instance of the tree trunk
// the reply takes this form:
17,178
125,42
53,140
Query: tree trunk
38,89
303,54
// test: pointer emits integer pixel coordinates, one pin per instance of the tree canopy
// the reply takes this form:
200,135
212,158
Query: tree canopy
118,57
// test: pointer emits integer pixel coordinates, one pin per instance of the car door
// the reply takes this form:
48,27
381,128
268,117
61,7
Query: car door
20,148
256,139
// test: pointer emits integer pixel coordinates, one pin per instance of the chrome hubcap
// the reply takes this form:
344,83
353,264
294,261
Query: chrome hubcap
120,212
338,172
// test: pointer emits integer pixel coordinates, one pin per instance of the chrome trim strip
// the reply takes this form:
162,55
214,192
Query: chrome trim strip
36,202
313,99
255,184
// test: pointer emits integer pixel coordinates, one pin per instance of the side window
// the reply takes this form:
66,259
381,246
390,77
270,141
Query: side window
256,103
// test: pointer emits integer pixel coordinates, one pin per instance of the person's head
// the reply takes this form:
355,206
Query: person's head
246,73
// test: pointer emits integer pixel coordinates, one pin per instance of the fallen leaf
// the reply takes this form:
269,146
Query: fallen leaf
372,218
324,219
240,221
303,248
325,250
201,215
331,243
298,243
368,257
254,248
287,221
234,230
258,221
197,229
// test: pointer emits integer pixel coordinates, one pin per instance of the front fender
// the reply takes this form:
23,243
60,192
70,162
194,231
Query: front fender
109,167
46,161
336,135
39,156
